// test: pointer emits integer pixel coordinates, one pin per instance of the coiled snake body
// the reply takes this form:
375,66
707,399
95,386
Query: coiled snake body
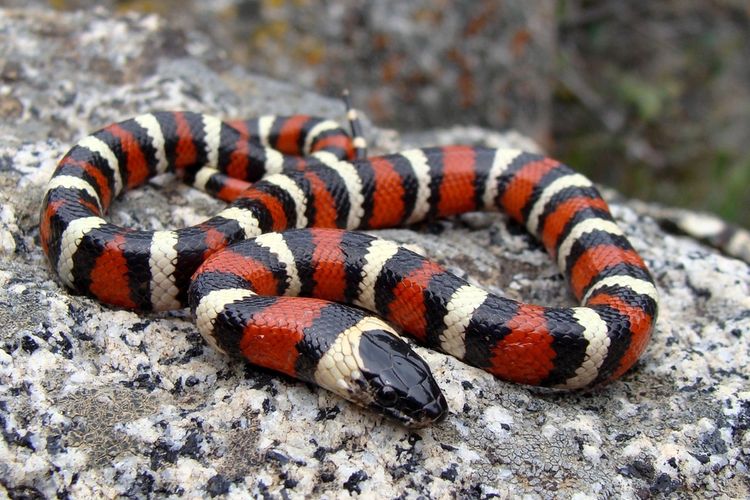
268,294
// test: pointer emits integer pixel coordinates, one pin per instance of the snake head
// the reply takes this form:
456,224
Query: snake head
389,377
400,382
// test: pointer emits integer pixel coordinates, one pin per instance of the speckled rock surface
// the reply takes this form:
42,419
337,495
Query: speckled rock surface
411,64
99,403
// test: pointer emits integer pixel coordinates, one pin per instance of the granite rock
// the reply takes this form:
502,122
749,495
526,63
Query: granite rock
96,402
414,64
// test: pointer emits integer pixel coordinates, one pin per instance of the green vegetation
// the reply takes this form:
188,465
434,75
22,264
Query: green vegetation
654,99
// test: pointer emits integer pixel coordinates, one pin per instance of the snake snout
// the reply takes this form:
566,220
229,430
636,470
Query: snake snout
436,411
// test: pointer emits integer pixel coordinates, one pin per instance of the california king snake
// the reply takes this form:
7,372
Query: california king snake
267,295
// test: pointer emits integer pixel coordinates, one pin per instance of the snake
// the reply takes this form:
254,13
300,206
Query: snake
285,278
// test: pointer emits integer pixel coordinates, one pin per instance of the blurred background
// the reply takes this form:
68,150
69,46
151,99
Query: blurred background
652,98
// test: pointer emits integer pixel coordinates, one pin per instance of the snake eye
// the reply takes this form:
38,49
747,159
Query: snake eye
386,396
